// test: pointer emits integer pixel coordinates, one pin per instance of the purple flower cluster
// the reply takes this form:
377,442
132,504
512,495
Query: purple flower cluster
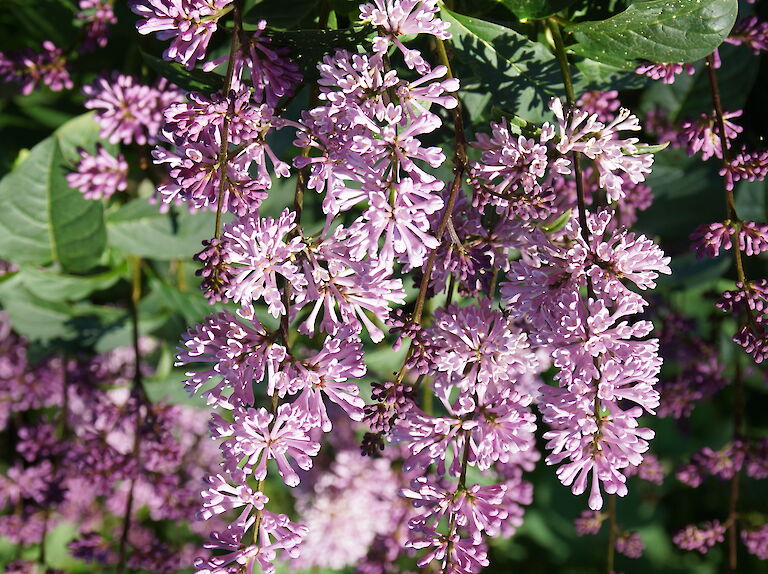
607,368
31,69
75,460
128,111
99,176
96,17
189,24
363,149
666,72
751,32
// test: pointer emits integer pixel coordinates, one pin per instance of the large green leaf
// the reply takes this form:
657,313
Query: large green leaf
535,8
52,286
138,228
522,75
657,30
42,219
55,322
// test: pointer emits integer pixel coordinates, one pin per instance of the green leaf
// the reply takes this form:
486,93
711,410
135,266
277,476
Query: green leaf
643,148
191,80
308,47
522,75
558,224
188,304
138,228
279,13
55,322
43,220
53,286
751,200
526,9
658,31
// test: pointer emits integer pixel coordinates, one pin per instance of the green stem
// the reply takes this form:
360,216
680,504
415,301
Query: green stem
223,158
139,396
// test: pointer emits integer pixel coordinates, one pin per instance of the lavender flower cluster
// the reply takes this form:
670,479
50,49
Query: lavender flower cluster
77,425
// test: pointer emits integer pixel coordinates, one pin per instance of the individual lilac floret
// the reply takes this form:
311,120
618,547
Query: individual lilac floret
665,72
750,166
221,496
401,17
99,176
259,249
701,539
31,69
751,32
188,23
611,155
704,134
256,436
127,111
96,17
756,541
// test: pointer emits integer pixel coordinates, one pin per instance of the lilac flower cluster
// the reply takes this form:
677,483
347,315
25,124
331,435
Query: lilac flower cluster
362,148
189,24
604,361
96,17
99,176
75,460
31,68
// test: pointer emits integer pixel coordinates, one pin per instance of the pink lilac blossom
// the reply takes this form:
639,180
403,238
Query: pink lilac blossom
703,134
239,351
603,104
509,172
611,155
630,545
99,176
258,250
127,111
665,72
749,166
32,68
401,17
589,522
188,23
352,503
272,74
700,539
756,541
256,436
749,304
750,32
96,17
